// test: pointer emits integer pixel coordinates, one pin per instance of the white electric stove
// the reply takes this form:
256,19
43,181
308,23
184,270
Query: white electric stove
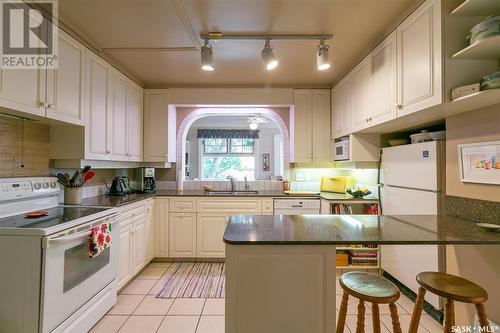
47,280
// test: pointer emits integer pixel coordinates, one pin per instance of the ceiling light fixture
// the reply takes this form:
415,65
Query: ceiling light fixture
268,56
322,57
207,57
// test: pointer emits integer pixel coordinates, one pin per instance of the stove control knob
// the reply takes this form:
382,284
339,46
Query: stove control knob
53,184
37,186
45,185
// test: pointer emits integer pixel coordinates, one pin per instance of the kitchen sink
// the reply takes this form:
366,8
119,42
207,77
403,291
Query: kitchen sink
232,192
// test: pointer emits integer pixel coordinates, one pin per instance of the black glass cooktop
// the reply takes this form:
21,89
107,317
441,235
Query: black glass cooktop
57,215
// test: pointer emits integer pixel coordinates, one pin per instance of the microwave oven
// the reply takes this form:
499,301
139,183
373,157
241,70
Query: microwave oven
341,149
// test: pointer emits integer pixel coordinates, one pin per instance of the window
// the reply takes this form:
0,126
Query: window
223,157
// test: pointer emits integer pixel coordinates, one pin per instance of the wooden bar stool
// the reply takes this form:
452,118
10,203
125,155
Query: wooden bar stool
368,288
452,288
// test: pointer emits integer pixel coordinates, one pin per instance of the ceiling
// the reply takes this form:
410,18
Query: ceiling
157,41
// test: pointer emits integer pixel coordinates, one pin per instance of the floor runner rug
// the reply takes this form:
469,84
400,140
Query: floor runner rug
194,280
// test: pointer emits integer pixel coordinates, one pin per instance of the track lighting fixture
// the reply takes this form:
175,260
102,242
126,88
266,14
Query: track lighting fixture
269,57
322,56
207,57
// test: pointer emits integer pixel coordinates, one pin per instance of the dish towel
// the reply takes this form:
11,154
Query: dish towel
99,239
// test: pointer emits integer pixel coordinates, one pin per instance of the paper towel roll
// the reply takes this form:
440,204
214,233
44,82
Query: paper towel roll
180,181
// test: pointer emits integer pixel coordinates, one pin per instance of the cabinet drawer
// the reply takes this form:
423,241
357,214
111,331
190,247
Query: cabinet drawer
267,206
182,205
131,214
233,206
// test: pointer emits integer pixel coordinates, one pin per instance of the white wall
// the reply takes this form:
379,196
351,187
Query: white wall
265,144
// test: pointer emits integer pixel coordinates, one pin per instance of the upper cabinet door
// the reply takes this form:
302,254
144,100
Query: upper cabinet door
23,90
419,59
321,143
302,132
134,122
342,108
97,108
382,99
156,125
360,89
117,117
66,84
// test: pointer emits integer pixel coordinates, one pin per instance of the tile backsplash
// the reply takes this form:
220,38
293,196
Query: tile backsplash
28,146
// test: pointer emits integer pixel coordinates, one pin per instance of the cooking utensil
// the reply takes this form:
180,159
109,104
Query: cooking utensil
73,179
489,226
62,180
66,178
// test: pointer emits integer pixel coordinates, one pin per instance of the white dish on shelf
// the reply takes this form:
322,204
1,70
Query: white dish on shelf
398,142
489,226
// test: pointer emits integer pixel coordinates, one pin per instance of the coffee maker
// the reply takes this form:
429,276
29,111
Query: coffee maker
145,181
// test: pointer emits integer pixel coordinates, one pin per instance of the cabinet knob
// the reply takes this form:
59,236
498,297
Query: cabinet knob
44,104
51,106
399,106
108,151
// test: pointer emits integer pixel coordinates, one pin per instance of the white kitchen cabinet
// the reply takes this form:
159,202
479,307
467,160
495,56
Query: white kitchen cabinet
156,125
139,245
161,228
268,206
382,105
182,235
66,85
150,231
134,121
210,231
341,112
360,92
311,125
23,90
96,146
117,117
419,57
302,120
125,254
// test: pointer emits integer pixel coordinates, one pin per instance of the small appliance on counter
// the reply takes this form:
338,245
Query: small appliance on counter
341,149
145,180
119,186
337,184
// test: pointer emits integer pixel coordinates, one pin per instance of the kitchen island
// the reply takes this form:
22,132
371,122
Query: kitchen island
280,269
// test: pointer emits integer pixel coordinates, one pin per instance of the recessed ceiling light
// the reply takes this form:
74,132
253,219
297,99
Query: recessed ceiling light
207,57
253,125
322,57
269,57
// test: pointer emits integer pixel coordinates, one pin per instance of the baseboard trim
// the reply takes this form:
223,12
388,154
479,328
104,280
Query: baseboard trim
431,310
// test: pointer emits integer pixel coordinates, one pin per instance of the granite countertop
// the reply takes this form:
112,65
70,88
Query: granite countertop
357,229
116,201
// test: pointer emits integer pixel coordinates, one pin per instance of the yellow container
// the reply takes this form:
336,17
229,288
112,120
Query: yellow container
338,184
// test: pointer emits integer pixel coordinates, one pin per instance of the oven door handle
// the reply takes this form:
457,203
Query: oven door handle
57,241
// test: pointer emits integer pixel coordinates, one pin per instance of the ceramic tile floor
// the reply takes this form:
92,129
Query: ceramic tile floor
138,311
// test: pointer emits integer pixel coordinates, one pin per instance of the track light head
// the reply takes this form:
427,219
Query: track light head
322,56
207,57
268,56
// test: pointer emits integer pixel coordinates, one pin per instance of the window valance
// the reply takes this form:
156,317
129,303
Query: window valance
227,134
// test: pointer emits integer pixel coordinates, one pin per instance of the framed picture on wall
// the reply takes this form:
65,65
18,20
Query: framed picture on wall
266,162
480,162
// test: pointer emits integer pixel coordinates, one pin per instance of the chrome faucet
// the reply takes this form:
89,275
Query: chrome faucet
247,186
233,183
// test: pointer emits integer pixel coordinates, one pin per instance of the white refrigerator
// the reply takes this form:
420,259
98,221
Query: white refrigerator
413,182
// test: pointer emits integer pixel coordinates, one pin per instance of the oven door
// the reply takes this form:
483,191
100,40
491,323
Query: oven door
70,278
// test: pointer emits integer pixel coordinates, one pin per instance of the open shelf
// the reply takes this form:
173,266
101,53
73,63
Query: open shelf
474,101
477,8
488,48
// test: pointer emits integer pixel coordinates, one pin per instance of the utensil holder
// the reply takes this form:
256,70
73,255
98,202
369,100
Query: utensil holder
72,195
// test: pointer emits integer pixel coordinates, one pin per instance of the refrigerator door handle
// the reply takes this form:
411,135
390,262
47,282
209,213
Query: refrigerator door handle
411,188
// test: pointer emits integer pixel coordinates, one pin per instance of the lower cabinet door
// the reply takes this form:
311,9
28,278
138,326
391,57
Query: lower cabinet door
210,232
182,234
125,254
161,237
150,231
139,247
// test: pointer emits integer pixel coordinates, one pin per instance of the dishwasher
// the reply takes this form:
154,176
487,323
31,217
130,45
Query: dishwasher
296,206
